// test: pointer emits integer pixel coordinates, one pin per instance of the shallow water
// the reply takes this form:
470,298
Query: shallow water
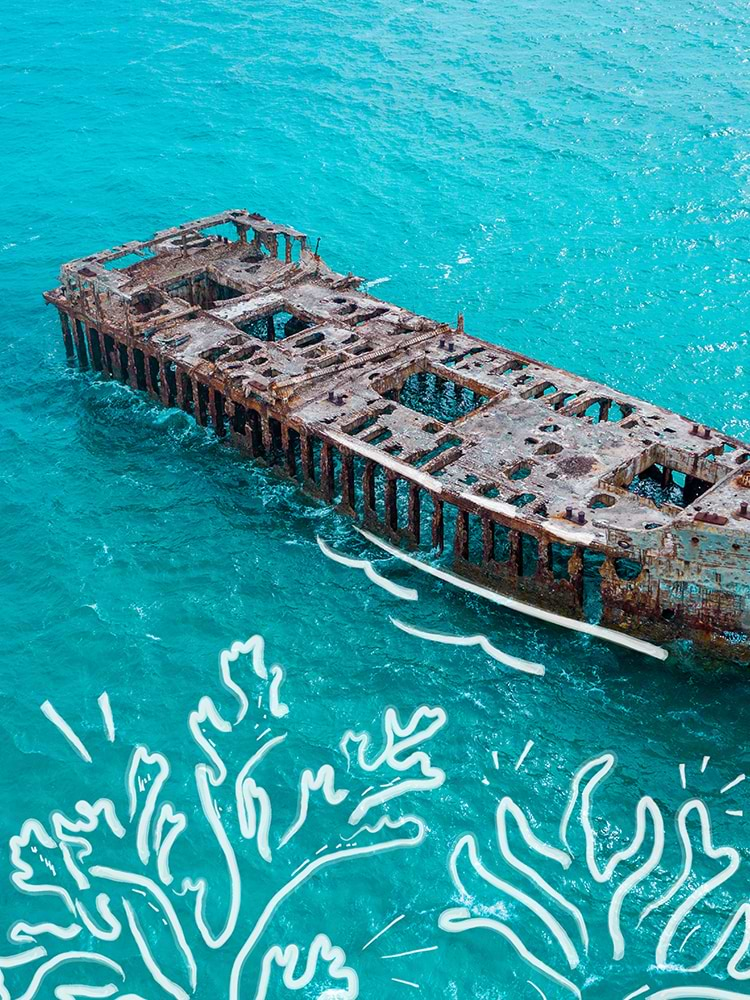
575,179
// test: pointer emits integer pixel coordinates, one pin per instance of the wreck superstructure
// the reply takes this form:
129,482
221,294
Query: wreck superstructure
543,484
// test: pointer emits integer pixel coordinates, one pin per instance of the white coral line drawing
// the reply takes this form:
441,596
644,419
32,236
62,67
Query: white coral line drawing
405,593
458,919
302,876
49,710
696,993
539,990
142,756
325,781
134,879
53,963
106,709
508,806
288,958
732,784
383,931
414,951
148,959
525,753
729,853
609,635
469,844
24,933
60,862
399,739
514,662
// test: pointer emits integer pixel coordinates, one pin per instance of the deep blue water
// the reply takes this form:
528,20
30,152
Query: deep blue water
574,178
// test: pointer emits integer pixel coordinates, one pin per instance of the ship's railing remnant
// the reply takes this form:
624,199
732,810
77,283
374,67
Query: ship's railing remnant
567,493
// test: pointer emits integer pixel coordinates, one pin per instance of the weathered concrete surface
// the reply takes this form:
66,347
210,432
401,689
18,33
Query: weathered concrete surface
565,491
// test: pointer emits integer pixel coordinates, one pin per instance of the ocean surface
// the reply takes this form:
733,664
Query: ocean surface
575,178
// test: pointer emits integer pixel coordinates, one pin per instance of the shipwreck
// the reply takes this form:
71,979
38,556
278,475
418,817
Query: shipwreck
542,484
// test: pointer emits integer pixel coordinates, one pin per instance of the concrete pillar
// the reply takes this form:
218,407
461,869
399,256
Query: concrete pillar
199,417
256,432
287,444
107,356
67,338
308,459
347,481
163,383
516,555
488,539
80,345
461,541
212,411
150,387
94,346
575,572
414,512
390,495
326,471
132,374
179,378
368,491
438,533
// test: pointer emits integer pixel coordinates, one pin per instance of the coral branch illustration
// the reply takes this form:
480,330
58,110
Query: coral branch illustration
110,873
541,897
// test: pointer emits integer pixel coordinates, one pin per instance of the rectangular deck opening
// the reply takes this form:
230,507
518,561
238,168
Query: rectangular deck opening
275,326
436,397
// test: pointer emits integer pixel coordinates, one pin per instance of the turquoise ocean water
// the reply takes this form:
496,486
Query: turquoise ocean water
575,177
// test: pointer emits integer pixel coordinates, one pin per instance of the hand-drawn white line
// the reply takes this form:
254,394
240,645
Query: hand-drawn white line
696,993
163,844
382,932
106,710
24,933
415,951
638,992
134,879
507,807
324,781
734,812
21,958
147,956
468,843
524,755
609,635
141,756
376,281
459,919
704,763
398,740
646,807
67,956
325,859
78,991
496,760
405,982
288,958
256,646
732,784
405,593
57,720
699,893
689,935
683,779
534,986
525,666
